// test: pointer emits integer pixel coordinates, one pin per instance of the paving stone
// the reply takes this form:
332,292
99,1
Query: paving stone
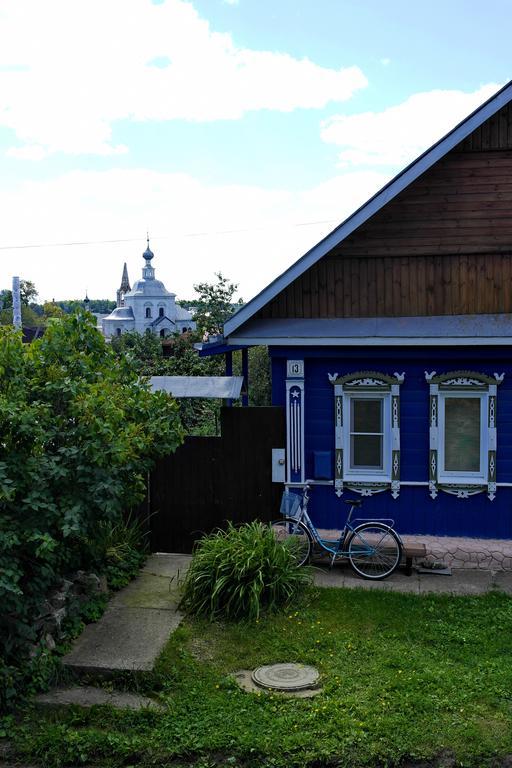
89,696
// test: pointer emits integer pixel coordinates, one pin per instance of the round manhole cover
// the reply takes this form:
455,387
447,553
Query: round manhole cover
286,677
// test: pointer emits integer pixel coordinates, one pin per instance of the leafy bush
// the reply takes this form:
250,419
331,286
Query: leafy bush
235,574
79,431
122,549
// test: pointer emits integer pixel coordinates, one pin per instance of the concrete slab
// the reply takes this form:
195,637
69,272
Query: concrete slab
167,564
89,696
344,577
328,577
398,582
503,581
136,625
124,640
463,581
148,591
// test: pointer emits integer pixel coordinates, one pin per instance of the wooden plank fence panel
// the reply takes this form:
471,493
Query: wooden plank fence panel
210,480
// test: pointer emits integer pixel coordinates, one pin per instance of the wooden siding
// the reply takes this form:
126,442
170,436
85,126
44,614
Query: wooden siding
443,246
407,286
495,133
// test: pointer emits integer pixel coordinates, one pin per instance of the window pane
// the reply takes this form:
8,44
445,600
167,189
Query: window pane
366,452
366,415
462,434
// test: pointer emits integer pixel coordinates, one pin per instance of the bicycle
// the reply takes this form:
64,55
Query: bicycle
373,548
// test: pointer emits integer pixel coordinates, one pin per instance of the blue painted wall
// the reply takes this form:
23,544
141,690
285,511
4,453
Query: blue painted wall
414,511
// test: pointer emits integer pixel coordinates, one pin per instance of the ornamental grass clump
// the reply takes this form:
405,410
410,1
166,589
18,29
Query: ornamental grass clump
238,573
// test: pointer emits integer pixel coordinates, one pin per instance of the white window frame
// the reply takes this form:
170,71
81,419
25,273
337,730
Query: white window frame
463,384
372,475
373,385
446,476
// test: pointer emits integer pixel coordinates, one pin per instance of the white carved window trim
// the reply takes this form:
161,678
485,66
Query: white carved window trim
384,474
471,384
369,384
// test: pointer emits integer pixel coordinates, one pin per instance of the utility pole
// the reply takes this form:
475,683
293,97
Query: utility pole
16,303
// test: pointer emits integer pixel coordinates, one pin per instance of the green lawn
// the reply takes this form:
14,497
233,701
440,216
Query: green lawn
404,677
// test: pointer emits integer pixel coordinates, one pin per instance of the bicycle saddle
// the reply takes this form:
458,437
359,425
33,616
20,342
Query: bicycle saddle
354,502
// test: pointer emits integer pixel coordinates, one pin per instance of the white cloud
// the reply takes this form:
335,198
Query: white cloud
248,233
70,70
398,134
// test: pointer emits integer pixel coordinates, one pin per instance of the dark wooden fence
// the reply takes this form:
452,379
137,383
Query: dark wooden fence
210,480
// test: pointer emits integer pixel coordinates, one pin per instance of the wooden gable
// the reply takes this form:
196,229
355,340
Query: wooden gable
443,246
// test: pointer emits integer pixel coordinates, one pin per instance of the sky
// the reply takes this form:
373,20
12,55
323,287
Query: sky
238,133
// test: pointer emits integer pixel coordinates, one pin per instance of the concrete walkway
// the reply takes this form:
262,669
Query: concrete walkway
463,581
136,625
141,617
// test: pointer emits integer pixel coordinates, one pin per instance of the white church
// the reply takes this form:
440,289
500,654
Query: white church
147,307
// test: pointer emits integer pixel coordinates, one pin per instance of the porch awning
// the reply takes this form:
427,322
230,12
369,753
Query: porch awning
224,387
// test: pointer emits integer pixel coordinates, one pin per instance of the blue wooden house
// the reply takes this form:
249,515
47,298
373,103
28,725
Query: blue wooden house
391,343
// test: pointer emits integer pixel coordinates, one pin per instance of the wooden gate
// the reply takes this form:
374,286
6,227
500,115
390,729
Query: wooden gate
210,480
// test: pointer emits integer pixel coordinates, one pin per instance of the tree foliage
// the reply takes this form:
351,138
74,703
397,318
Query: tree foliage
214,304
78,433
28,293
199,416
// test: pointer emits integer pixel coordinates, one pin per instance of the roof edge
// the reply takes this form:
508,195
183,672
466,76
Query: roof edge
403,179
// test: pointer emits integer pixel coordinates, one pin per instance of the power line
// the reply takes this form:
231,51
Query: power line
163,237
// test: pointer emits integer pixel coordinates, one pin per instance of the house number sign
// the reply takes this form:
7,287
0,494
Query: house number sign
295,369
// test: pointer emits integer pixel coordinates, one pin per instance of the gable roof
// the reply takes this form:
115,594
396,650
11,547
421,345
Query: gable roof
390,190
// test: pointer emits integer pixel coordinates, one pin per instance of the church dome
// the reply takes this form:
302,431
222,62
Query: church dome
144,287
148,253
121,313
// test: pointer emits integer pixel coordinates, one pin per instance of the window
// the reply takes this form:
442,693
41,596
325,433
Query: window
160,312
462,433
367,432
462,426
148,311
118,331
162,333
367,437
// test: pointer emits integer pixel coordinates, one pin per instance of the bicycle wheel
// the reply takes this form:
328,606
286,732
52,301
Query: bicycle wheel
295,536
374,550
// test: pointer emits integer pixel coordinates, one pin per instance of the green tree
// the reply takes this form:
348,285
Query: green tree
28,293
29,316
79,432
215,304
52,310
199,416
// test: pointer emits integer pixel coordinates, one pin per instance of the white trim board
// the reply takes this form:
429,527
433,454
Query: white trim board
374,204
371,341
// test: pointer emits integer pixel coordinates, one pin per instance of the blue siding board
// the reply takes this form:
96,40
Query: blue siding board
414,511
